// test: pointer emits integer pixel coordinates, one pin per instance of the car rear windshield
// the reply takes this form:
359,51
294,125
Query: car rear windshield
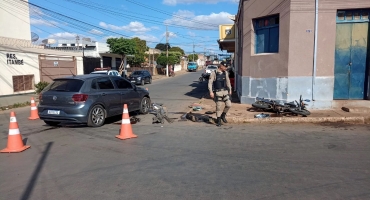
211,67
66,85
192,63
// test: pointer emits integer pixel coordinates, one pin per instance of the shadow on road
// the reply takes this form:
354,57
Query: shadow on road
198,91
32,182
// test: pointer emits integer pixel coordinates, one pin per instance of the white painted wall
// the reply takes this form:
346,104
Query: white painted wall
177,67
30,66
12,23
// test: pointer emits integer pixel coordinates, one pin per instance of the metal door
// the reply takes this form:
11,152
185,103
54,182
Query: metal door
350,60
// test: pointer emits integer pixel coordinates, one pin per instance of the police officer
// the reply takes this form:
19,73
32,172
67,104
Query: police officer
220,90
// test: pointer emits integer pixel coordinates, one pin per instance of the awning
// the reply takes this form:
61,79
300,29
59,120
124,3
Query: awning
227,45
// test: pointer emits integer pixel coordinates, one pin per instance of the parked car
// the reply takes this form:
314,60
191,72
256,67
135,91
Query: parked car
210,68
192,66
106,71
140,77
90,99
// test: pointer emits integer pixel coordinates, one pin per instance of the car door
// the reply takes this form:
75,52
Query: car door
148,76
110,95
128,95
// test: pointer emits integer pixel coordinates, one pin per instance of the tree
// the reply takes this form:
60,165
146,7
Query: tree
191,58
162,60
139,55
178,49
121,46
162,46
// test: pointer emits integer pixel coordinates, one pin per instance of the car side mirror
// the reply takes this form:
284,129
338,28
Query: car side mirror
135,87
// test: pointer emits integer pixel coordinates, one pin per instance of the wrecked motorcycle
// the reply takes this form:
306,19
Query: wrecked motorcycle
160,114
295,107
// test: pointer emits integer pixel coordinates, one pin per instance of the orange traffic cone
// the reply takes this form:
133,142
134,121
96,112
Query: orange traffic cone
126,128
34,113
15,143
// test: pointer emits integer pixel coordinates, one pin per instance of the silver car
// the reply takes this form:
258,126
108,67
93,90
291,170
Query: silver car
90,99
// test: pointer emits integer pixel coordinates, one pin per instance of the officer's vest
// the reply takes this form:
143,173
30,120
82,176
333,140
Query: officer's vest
220,81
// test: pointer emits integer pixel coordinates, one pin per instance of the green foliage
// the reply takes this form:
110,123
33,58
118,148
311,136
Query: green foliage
122,46
162,60
178,49
140,49
163,46
40,86
191,58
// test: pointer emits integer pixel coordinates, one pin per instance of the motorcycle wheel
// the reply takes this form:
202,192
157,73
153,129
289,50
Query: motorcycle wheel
300,112
261,105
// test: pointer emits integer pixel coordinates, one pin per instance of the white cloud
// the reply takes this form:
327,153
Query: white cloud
148,38
96,32
42,22
63,35
175,2
192,34
136,27
209,22
170,34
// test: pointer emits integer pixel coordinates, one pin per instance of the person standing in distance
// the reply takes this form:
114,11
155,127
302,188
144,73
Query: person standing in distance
220,90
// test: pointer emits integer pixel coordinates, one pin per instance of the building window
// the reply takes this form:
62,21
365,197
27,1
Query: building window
72,45
344,16
23,83
64,45
267,34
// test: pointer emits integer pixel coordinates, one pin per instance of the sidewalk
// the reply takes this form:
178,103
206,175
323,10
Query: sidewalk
19,100
244,113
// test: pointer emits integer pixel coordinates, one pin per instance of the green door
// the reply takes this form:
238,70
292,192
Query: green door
351,60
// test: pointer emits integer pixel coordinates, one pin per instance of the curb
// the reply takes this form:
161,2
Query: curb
279,120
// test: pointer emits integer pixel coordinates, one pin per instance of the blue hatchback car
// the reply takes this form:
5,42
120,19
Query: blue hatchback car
90,99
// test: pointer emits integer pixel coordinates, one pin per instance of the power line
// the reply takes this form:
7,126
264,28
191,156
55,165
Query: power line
167,13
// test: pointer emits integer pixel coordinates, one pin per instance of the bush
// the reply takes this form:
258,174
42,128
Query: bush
40,86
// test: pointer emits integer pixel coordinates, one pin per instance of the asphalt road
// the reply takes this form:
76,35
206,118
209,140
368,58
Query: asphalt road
186,160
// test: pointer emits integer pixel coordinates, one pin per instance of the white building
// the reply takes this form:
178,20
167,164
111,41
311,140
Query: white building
23,64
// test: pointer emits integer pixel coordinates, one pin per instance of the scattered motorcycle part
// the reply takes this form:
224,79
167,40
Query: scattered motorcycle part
262,115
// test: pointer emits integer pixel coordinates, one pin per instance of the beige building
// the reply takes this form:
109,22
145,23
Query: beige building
283,50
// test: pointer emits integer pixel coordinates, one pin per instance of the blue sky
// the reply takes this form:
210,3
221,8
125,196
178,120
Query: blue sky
188,20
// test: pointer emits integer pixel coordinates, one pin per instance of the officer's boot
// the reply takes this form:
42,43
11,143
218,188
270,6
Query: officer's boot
223,117
218,121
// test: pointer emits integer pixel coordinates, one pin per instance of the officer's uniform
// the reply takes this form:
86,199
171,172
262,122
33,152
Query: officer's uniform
219,84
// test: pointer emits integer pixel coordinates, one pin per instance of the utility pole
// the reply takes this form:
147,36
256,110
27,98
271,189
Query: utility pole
167,49
193,51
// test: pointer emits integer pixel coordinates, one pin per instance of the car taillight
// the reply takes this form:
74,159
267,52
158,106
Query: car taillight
80,97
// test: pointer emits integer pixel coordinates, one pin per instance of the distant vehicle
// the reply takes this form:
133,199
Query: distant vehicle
140,77
210,68
208,62
106,71
90,99
192,66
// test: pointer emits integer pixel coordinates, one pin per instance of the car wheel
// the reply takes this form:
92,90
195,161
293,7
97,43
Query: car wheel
150,81
144,105
96,116
51,123
142,82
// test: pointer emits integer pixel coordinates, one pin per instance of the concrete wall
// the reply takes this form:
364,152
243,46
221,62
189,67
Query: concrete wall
15,21
30,66
288,74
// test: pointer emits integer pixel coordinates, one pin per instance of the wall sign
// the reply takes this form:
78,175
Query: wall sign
11,59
